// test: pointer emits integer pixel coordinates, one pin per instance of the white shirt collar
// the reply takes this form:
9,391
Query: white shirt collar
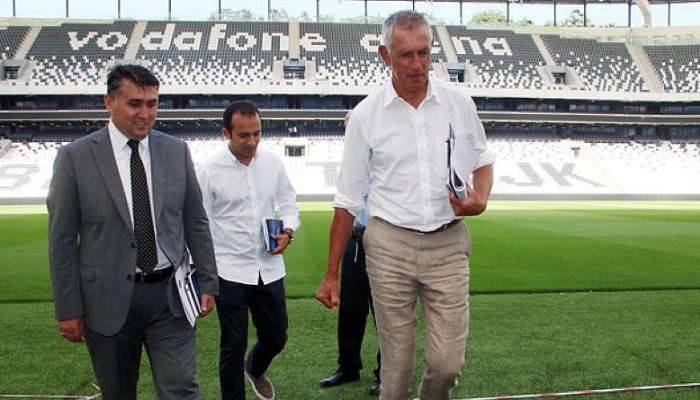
120,140
391,95
238,162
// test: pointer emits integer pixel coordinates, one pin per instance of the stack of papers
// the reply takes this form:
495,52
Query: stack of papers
454,181
188,289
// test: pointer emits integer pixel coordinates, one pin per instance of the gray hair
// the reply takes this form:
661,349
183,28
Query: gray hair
404,18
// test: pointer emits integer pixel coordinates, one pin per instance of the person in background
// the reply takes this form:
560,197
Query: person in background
353,307
242,185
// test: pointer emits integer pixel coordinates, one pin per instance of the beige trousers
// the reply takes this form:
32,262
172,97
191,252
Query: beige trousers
404,266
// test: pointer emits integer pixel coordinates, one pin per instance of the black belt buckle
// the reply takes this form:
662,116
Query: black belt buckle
154,276
357,233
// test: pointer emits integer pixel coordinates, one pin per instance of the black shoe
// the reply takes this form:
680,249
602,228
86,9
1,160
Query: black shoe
340,377
375,388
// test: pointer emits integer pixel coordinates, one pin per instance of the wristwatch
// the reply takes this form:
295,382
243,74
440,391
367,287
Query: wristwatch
290,234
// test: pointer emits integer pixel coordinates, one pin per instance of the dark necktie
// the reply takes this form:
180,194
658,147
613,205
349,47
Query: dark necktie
146,255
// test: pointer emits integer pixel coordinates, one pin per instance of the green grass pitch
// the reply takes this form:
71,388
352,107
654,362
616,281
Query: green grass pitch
565,296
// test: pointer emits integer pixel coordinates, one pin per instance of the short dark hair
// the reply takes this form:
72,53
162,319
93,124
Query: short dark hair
242,107
139,75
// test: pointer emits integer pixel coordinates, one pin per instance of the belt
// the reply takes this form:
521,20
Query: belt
155,276
443,227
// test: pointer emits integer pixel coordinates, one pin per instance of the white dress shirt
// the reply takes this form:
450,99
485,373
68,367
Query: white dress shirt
404,151
237,198
122,155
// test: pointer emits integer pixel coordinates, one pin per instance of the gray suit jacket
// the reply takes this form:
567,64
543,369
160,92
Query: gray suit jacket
92,249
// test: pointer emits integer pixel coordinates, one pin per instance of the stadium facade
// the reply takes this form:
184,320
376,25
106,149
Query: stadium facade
571,113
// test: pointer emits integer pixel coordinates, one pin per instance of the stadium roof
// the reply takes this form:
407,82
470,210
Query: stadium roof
642,4
541,1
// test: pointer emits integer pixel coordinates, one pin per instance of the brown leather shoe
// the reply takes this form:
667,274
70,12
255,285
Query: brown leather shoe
261,386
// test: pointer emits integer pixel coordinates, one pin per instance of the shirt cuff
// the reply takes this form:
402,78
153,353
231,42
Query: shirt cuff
353,208
291,223
486,157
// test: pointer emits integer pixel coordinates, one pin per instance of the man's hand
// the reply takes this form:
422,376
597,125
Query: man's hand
72,329
282,243
477,197
474,204
207,302
341,228
328,292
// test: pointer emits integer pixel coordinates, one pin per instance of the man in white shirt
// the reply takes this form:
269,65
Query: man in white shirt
416,245
241,186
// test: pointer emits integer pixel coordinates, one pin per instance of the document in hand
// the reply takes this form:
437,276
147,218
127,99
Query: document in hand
271,227
454,181
188,290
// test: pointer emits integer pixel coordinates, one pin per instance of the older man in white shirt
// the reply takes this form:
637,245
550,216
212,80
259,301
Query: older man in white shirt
241,186
416,244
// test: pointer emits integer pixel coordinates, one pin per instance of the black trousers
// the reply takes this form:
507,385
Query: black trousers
268,309
355,304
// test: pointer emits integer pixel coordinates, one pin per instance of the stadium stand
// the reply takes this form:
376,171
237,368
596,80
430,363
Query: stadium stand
25,170
501,58
601,140
437,53
601,66
344,54
678,66
10,39
659,167
530,168
77,54
336,58
205,53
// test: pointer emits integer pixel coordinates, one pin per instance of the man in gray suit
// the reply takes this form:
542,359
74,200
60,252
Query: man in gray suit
125,211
